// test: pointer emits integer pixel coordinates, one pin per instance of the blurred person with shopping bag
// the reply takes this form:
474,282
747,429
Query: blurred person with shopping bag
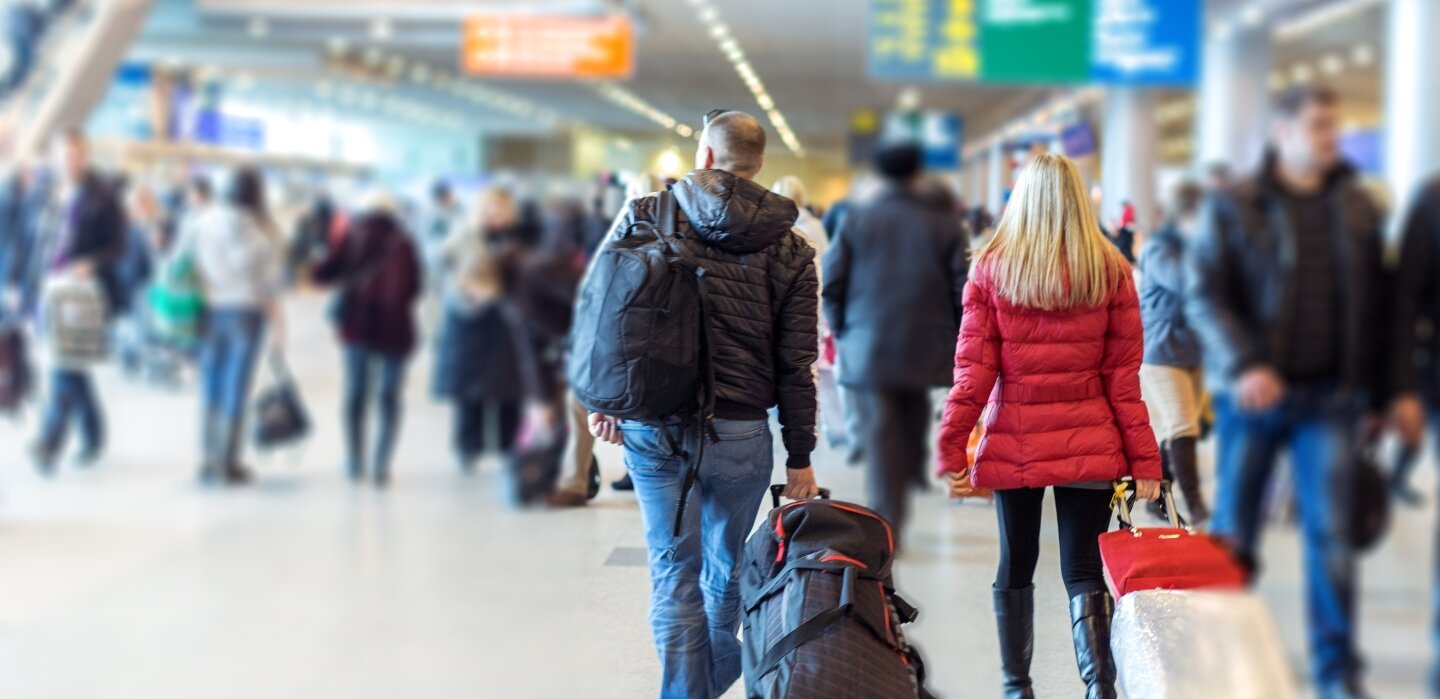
1054,304
1286,289
85,241
235,252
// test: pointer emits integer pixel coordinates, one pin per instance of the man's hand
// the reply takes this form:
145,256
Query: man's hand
800,483
1259,389
1407,418
1147,489
606,429
82,269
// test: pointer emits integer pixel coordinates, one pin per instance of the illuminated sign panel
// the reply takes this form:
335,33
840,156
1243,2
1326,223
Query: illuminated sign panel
548,46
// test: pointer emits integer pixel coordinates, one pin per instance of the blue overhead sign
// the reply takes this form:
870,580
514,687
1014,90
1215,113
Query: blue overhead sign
1112,42
1147,42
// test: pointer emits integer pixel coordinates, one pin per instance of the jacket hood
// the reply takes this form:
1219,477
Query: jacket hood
734,214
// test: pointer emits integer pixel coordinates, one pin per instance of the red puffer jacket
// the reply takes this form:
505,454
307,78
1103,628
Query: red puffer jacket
1063,389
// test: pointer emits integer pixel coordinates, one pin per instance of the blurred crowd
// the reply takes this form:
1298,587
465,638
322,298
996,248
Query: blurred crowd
1273,320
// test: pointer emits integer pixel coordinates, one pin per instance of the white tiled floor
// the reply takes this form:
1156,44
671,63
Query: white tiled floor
129,581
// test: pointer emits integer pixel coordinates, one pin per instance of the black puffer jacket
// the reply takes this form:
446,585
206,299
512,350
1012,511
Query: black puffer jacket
1240,281
763,297
1415,360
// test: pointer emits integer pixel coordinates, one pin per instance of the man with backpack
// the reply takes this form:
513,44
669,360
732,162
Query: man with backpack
680,361
87,240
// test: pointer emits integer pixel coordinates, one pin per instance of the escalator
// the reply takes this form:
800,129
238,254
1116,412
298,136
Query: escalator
74,64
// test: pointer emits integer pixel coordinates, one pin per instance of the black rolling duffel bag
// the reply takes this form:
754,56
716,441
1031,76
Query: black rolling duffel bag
821,615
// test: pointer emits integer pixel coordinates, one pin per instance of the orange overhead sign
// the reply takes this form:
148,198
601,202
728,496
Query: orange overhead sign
548,46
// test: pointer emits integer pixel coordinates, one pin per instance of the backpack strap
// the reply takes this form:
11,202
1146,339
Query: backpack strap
667,227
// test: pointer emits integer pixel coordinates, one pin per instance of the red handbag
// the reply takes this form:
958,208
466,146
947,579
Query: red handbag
1163,558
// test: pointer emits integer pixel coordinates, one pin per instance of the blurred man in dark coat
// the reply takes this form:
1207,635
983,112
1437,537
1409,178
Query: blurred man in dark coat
894,285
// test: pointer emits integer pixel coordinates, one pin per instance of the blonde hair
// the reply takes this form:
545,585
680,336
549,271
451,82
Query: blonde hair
793,188
1047,251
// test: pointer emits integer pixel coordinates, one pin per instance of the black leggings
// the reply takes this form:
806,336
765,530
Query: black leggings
1084,515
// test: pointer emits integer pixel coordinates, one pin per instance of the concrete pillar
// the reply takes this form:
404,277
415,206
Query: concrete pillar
1412,96
995,176
1129,151
1234,97
975,180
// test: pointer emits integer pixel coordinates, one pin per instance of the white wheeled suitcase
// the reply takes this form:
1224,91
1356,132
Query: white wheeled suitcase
1194,644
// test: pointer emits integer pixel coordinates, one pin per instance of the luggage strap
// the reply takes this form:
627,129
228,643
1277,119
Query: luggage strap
782,578
822,622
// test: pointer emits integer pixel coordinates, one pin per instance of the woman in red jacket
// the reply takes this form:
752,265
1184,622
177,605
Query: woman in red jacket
1051,340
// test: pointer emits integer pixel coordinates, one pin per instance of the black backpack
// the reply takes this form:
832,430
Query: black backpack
638,345
640,341
821,616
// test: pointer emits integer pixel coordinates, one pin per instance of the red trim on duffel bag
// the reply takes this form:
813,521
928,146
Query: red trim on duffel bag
843,559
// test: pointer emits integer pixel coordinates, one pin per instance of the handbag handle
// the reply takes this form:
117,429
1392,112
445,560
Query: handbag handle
280,369
1124,500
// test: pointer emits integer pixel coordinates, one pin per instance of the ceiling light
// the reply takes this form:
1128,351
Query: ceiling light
684,131
1301,73
259,28
1332,64
1362,55
1277,81
381,29
730,46
337,45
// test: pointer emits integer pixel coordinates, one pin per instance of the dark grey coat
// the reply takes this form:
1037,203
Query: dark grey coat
1169,339
894,289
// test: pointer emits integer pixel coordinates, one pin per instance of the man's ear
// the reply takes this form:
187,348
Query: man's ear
707,158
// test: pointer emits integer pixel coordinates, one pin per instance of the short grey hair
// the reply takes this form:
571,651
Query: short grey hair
738,141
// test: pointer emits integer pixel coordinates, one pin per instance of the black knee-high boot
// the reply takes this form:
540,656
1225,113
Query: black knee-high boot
1090,615
1181,453
1015,618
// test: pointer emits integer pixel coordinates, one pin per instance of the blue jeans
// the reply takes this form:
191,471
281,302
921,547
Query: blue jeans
72,397
1319,428
360,365
229,349
694,577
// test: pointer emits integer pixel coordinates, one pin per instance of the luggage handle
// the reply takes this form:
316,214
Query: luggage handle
777,490
1124,500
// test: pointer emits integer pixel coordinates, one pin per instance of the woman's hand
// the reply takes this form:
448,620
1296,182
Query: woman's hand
1147,489
961,485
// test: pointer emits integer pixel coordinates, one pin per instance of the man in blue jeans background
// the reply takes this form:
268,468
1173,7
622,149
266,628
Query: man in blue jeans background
1285,288
763,315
